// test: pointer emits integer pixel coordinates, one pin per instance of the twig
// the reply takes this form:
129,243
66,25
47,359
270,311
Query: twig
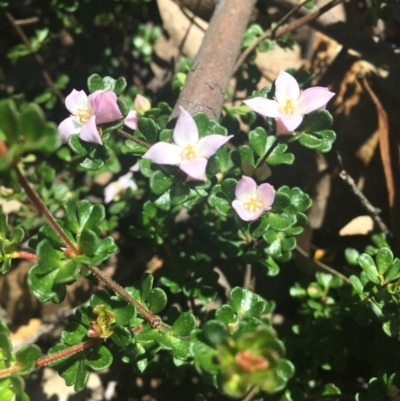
373,49
133,138
321,265
276,33
289,14
154,321
248,279
372,210
252,393
39,60
26,21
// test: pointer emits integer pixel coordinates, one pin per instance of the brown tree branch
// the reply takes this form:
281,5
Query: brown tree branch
212,68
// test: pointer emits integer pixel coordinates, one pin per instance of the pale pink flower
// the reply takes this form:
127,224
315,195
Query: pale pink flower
188,151
290,103
86,112
141,105
114,188
252,201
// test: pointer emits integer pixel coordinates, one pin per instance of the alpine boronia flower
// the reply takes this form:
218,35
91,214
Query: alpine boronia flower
189,152
290,103
252,201
141,105
124,182
86,112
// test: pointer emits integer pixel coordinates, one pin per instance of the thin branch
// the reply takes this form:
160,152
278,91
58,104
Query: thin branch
41,207
133,138
39,60
27,21
276,33
45,360
154,321
289,14
321,265
24,255
372,210
251,394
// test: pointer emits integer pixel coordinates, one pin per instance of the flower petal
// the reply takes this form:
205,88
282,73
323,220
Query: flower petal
125,180
209,144
281,128
291,121
68,127
164,153
265,107
266,193
313,99
246,187
105,106
186,132
286,87
89,132
243,214
75,100
141,104
110,191
131,119
195,169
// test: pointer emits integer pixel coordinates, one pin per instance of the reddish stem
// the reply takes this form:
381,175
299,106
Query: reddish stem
45,360
3,149
24,255
44,211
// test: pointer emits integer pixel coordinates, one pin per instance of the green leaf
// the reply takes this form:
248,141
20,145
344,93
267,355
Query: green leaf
5,342
121,336
225,314
99,358
74,333
157,300
281,201
351,255
95,83
88,242
258,228
27,357
205,357
228,187
159,182
393,271
9,120
368,265
215,332
384,259
258,140
149,129
185,323
317,121
120,85
246,303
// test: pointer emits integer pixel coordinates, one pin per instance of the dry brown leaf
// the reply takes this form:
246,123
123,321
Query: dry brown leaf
360,225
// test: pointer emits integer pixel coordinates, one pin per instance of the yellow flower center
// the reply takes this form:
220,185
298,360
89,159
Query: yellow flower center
288,107
83,114
252,205
189,152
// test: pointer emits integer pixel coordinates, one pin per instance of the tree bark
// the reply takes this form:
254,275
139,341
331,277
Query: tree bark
206,83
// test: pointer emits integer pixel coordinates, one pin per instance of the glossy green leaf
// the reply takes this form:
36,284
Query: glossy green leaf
215,332
384,259
159,182
157,300
95,83
368,265
185,323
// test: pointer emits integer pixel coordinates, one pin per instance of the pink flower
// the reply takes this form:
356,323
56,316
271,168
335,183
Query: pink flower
252,201
290,103
188,151
114,188
141,105
86,112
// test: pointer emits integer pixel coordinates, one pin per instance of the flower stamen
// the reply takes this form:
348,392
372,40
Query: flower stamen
189,153
83,114
288,107
253,205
